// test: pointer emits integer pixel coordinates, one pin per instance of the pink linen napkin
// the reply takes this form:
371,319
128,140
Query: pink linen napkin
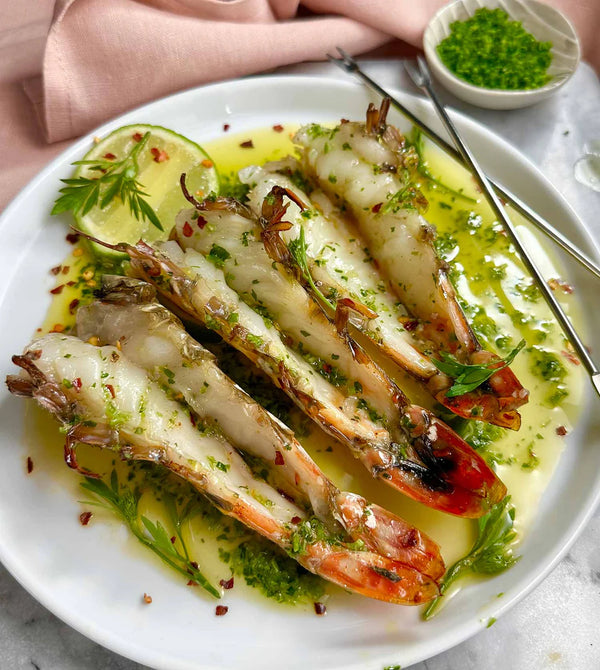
102,57
105,56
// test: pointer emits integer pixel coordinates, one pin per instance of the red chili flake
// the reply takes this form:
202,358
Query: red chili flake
278,128
147,599
571,357
560,284
342,121
173,539
160,156
295,519
248,144
72,238
226,127
201,221
66,269
58,289
221,610
77,383
279,458
207,163
84,518
57,328
194,565
561,430
192,583
375,263
111,389
193,420
410,325
29,465
187,230
320,609
227,583
109,156
376,207
137,137
55,270
73,305
71,283
327,368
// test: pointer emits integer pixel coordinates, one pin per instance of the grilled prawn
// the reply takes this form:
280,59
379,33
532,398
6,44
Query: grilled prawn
340,263
192,419
271,319
367,169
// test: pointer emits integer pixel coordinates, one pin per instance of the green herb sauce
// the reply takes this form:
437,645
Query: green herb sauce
491,51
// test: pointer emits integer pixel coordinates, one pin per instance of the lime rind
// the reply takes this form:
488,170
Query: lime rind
160,181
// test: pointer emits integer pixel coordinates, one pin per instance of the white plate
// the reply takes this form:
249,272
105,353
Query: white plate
91,579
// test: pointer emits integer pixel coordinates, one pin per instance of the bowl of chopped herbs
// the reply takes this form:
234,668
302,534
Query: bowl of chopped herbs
501,54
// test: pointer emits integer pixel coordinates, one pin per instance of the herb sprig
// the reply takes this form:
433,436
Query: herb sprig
469,377
297,249
490,555
125,502
115,179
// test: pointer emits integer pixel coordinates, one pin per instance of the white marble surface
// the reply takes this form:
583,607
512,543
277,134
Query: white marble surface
556,626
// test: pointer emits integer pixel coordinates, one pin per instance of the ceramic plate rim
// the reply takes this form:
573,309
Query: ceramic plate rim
110,638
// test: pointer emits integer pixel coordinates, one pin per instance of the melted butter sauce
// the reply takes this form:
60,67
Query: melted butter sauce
528,457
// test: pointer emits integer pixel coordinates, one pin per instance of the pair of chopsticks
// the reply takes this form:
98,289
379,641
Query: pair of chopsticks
420,75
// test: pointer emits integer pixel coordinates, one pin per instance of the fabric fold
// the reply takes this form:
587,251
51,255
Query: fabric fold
104,57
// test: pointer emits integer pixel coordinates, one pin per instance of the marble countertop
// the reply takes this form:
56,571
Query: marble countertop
556,626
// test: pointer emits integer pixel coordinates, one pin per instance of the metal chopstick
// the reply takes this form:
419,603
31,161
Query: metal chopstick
422,78
348,64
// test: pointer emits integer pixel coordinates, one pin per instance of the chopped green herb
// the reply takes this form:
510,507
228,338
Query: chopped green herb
217,465
232,187
217,255
492,51
278,576
546,365
372,413
255,340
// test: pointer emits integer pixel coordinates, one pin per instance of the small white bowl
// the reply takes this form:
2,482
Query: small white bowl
541,20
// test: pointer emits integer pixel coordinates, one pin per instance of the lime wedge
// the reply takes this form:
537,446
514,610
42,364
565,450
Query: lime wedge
162,160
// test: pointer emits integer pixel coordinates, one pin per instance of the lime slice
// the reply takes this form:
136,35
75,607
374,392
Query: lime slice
162,160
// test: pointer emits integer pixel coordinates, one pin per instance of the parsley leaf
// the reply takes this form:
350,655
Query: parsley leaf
469,377
115,179
491,553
